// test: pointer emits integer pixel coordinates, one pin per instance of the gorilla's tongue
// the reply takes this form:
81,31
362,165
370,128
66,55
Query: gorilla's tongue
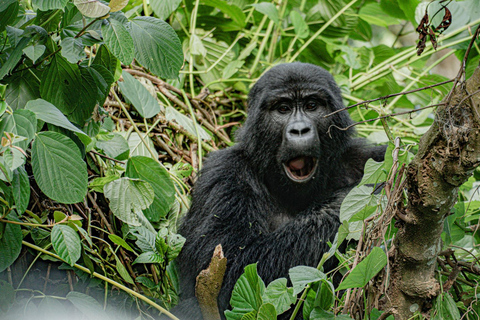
297,163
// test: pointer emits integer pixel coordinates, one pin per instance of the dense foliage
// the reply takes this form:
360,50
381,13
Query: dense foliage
107,110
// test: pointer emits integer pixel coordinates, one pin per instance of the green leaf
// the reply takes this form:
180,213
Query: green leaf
164,8
301,276
87,305
373,172
46,5
117,240
91,8
22,123
48,113
173,115
14,57
324,10
175,244
319,314
58,167
97,184
150,170
445,308
373,14
119,41
10,244
7,296
230,10
108,61
267,312
157,46
392,8
139,96
408,7
116,147
34,52
117,5
127,198
325,296
66,243
301,27
22,87
149,257
122,271
248,291
278,294
63,86
365,270
21,189
137,147
8,12
73,49
268,9
196,46
356,201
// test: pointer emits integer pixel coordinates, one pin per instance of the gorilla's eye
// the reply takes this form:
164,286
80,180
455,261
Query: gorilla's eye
283,108
310,106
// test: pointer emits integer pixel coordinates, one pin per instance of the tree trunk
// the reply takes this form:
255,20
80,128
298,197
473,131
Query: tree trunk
448,153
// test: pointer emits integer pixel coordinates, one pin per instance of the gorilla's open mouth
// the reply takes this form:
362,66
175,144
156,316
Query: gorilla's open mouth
300,169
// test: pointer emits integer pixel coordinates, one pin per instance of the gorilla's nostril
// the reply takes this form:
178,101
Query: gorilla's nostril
304,131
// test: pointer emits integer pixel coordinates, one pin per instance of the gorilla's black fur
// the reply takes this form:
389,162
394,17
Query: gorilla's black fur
254,198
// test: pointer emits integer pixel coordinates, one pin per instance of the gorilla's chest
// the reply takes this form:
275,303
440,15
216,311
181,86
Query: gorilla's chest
278,220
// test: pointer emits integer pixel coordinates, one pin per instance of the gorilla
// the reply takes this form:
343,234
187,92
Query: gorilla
274,197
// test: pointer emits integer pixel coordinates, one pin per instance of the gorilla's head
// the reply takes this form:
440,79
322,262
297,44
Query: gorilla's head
285,135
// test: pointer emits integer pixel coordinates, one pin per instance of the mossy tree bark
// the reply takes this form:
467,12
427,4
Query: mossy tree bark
447,156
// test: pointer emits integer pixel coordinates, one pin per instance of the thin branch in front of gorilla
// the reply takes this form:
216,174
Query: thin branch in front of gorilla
383,117
366,102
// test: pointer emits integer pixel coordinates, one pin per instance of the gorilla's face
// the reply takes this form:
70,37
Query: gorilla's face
286,129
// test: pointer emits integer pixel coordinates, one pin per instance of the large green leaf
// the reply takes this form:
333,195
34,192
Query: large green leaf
21,122
324,10
157,46
115,147
268,9
137,147
164,8
91,8
119,41
267,312
47,112
7,296
187,123
301,27
14,57
357,200
58,167
34,51
73,49
303,275
8,12
373,172
87,305
139,96
230,10
10,244
365,270
66,243
445,308
151,171
127,198
63,85
21,189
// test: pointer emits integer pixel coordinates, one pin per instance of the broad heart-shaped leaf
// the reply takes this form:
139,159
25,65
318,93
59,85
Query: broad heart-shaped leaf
150,170
325,296
357,200
34,52
365,270
303,275
10,244
278,294
64,86
117,5
301,27
267,9
127,198
58,167
173,115
136,145
157,46
14,57
445,307
247,293
139,96
163,8
46,5
66,243
21,189
91,8
119,41
48,113
21,122
87,305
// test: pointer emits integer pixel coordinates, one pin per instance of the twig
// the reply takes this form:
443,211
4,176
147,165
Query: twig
106,157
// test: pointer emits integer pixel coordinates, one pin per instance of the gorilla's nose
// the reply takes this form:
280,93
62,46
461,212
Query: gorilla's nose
300,130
